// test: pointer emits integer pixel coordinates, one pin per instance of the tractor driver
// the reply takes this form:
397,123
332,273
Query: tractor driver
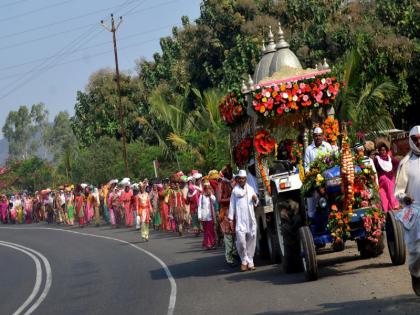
318,146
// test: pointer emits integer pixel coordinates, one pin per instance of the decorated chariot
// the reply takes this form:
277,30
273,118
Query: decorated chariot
270,119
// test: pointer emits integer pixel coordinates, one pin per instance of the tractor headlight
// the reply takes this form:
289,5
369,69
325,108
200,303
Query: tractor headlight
322,202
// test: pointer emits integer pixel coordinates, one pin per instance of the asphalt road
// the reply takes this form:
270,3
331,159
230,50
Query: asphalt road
92,275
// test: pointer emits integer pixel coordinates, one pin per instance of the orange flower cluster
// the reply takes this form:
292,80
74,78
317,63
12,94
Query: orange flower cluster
338,224
331,129
264,143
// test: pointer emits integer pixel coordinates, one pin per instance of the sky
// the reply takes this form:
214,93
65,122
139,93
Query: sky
49,48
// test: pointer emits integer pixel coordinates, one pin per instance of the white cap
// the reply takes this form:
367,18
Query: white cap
197,175
242,173
83,186
317,131
190,178
114,181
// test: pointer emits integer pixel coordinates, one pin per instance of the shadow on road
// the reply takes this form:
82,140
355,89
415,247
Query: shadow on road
402,304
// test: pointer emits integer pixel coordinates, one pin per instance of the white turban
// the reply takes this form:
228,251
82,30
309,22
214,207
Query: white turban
414,132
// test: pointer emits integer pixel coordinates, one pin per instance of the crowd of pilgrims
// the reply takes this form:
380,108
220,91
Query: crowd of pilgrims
180,204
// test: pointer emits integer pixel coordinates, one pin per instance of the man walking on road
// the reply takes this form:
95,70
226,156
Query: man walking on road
241,208
407,190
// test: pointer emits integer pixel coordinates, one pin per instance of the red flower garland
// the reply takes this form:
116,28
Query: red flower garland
232,108
242,151
275,100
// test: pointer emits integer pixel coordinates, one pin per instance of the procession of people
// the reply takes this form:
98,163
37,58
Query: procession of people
194,204
219,206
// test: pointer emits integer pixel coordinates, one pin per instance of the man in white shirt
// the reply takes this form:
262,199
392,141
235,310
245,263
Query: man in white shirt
407,190
241,208
318,146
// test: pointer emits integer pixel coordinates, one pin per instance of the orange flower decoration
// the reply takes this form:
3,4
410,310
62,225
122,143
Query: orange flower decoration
264,143
331,129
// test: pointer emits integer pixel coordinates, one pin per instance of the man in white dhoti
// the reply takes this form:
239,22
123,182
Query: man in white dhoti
318,147
241,208
407,190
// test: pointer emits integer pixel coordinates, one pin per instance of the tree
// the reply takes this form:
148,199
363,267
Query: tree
62,141
23,129
195,137
365,104
32,174
96,109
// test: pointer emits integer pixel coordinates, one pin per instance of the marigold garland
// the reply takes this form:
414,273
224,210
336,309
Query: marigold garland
263,174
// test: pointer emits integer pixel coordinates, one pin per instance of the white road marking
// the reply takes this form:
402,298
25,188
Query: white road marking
172,298
38,278
48,280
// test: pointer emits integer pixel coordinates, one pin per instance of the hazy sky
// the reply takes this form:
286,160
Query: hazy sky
48,48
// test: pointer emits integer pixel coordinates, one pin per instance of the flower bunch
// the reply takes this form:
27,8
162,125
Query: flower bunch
242,151
277,99
338,224
331,129
313,179
232,108
264,143
296,153
373,222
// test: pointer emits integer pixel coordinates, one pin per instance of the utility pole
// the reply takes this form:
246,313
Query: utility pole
113,29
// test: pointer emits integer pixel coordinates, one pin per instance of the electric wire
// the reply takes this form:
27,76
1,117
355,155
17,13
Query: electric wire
36,10
76,43
63,21
3,77
79,41
23,43
122,48
12,3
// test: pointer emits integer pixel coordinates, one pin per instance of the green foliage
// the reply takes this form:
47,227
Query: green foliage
22,126
31,174
97,112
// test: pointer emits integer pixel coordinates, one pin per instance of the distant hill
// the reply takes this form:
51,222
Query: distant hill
4,150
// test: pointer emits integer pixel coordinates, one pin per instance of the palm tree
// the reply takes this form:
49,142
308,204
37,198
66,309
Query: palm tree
167,119
364,103
199,132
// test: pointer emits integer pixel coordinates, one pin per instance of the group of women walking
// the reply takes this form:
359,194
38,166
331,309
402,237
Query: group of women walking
195,204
